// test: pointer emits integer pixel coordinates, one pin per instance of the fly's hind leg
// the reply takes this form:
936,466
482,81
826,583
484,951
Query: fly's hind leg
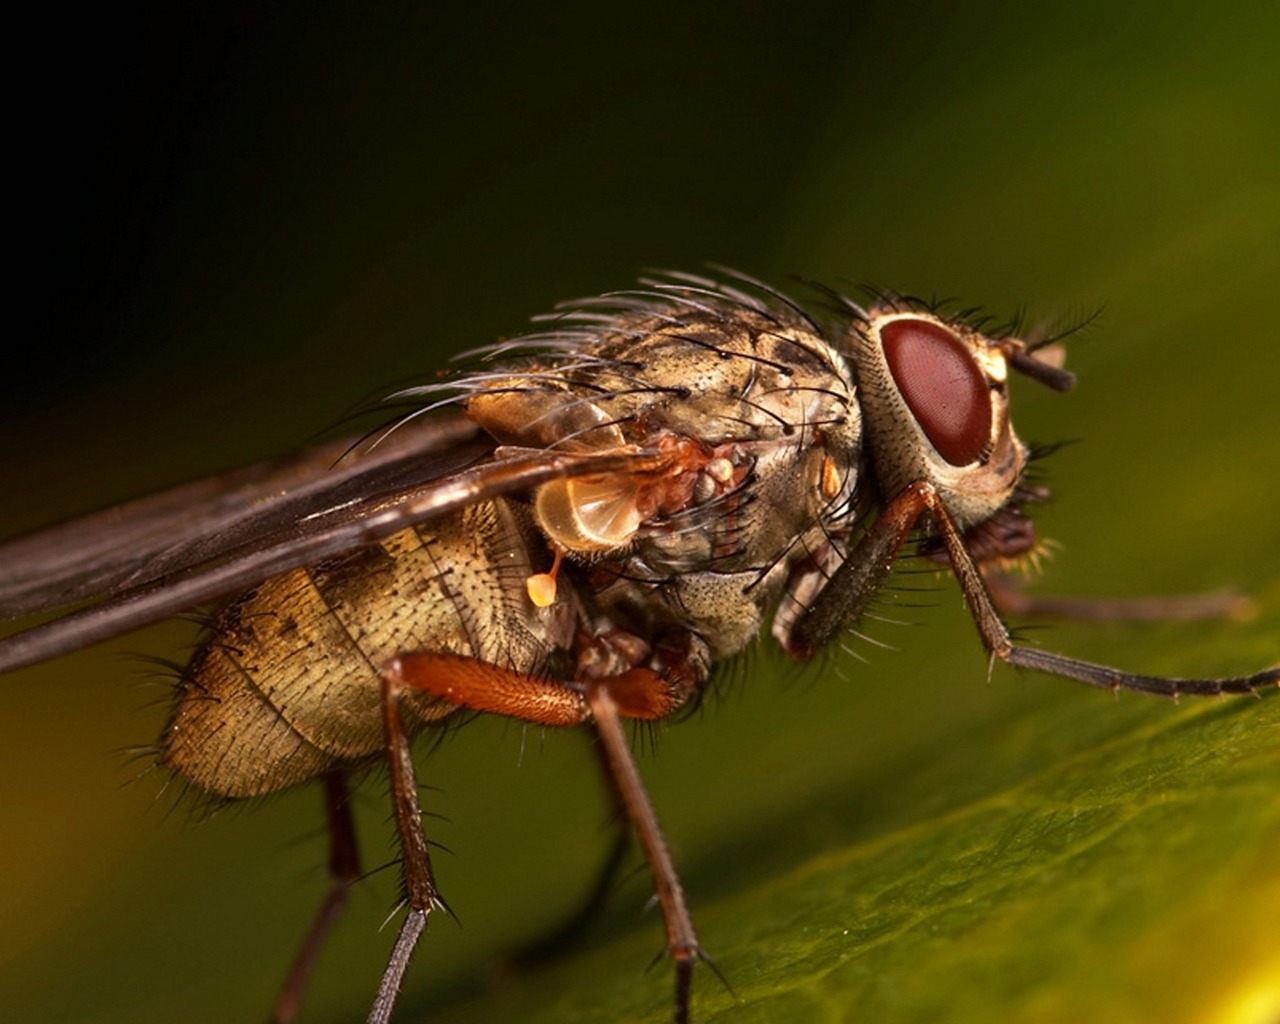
344,871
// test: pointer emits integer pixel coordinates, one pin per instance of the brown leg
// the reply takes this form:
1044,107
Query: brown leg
995,637
682,941
481,686
858,579
421,894
637,693
856,582
344,871
484,687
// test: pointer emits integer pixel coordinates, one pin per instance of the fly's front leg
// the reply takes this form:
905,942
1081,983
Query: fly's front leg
421,893
996,639
855,583
858,579
344,871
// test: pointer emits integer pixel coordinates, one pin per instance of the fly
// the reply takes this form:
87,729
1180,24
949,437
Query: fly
575,536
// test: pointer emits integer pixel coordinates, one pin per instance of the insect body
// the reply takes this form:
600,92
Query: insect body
626,501
677,567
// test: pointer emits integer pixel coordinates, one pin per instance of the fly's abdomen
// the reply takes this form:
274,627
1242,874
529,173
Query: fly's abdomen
288,684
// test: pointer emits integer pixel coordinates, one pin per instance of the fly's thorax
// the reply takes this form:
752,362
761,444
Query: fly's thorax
288,684
935,405
708,373
757,409
759,414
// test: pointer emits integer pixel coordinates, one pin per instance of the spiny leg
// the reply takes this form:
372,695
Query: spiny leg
344,871
421,893
859,578
636,693
682,940
996,639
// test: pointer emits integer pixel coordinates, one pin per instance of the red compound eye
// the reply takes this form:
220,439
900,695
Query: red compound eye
943,387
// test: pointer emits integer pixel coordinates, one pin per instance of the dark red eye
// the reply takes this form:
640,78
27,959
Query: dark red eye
944,388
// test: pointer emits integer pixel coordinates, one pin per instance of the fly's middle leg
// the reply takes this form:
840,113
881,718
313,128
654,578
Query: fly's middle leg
421,894
637,693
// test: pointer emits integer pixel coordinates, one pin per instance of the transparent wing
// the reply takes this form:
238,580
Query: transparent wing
132,544
153,558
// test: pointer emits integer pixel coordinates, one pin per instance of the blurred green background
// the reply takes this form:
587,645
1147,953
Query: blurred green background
235,227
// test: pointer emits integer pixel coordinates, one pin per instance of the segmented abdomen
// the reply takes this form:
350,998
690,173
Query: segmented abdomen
287,686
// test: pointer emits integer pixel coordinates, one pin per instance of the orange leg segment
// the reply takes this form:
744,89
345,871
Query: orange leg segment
481,686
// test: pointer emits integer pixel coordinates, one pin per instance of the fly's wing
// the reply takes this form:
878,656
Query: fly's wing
129,545
214,539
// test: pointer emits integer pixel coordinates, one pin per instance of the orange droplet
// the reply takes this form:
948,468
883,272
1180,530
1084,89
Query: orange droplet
541,587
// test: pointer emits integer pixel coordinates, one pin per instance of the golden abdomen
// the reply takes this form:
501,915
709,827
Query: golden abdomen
288,685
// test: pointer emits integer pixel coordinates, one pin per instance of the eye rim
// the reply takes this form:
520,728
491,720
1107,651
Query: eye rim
944,387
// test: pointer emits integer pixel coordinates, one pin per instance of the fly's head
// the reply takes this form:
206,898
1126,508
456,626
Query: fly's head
935,411
934,396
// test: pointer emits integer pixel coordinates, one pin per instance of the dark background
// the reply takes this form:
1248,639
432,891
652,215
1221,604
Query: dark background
234,227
